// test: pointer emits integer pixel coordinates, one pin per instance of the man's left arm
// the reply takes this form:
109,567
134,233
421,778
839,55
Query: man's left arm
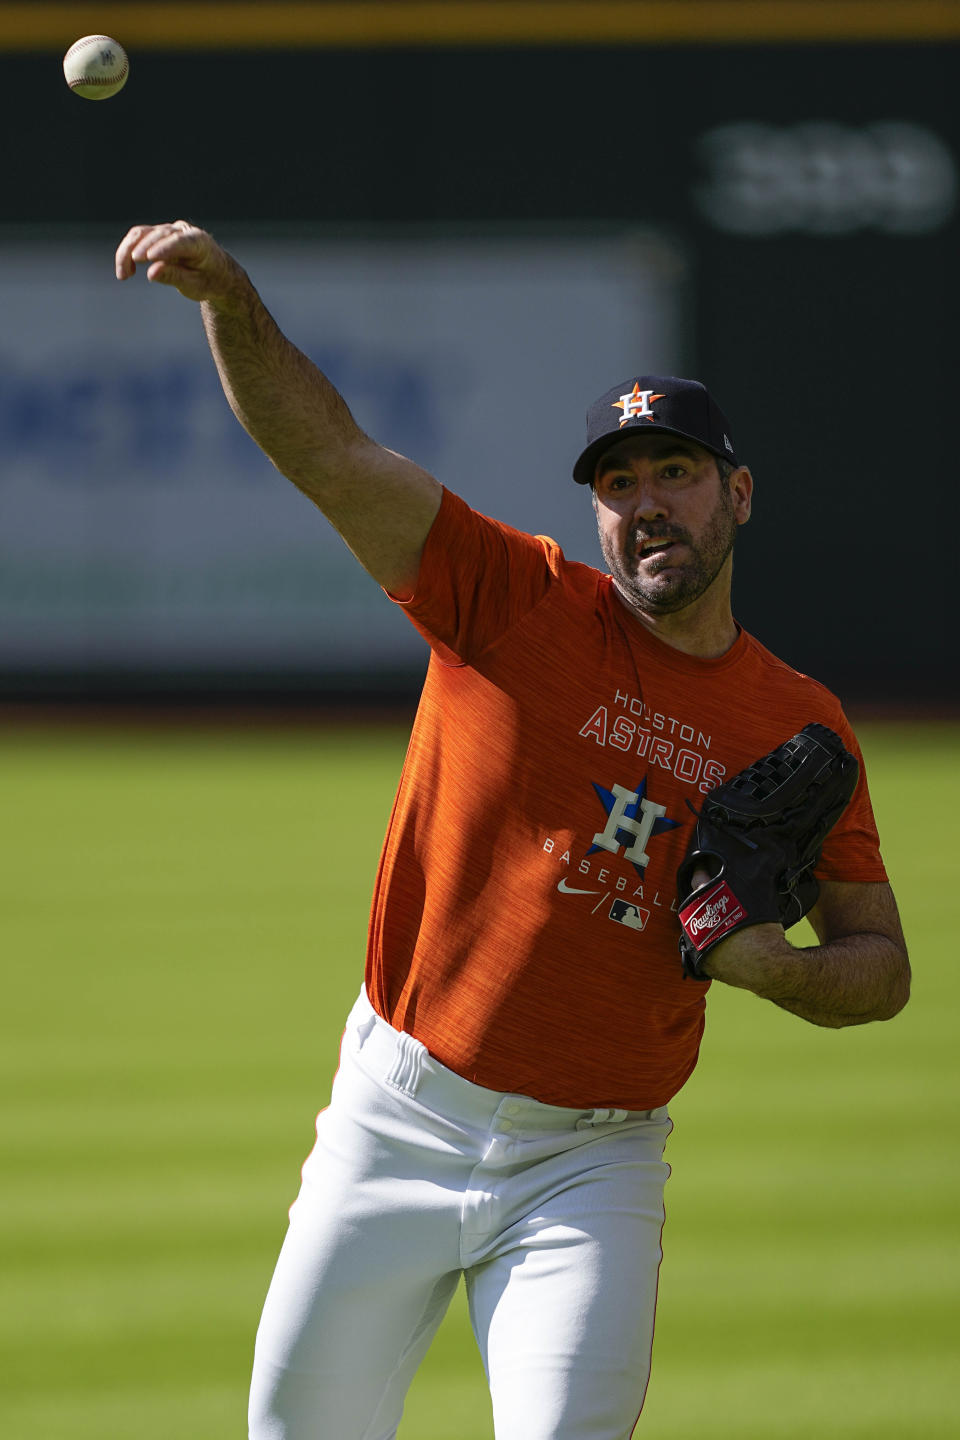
858,972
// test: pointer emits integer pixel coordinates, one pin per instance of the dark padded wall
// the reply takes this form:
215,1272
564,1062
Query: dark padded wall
829,342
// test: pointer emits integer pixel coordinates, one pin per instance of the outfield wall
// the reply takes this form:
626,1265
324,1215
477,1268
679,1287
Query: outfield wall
800,200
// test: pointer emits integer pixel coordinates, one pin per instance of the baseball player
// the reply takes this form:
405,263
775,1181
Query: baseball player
500,1110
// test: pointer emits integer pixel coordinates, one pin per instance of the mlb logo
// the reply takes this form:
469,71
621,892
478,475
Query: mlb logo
631,915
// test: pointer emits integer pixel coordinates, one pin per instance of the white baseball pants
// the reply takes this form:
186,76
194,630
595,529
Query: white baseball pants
552,1215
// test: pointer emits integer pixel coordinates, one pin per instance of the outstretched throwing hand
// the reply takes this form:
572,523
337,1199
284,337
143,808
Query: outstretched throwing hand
181,255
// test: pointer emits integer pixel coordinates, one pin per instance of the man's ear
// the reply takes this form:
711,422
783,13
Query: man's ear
741,492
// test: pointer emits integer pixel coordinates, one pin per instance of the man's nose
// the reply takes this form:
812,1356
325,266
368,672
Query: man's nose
649,499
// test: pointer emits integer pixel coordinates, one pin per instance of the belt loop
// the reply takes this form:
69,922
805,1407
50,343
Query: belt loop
603,1117
405,1072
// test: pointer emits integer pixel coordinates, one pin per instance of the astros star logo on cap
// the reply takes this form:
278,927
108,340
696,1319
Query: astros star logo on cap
636,404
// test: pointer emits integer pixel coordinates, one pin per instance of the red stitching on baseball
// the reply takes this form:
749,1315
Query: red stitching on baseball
98,79
78,47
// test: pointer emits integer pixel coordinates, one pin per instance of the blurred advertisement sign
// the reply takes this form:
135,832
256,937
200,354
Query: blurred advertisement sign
141,529
824,178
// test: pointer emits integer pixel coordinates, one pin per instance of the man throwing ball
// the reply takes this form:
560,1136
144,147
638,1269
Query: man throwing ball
612,795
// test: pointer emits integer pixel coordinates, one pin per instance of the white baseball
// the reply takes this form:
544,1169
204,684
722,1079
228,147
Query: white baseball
96,67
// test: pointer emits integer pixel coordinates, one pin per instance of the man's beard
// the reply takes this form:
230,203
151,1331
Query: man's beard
661,593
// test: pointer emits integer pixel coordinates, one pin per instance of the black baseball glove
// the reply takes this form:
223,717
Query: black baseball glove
758,837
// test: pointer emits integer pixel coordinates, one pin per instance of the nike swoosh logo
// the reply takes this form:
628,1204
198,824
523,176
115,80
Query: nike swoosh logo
566,889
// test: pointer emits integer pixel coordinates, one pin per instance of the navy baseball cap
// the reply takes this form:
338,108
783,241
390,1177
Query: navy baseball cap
655,404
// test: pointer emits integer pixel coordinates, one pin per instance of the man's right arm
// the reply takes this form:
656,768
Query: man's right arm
382,504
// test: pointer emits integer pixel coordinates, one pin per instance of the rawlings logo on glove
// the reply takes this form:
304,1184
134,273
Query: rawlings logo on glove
713,915
757,840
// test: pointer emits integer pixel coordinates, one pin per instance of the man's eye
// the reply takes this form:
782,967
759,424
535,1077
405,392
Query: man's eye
674,472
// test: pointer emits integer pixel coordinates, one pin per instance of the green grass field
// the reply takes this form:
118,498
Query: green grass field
182,932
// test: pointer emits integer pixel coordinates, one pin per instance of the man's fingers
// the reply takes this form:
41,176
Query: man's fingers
164,273
168,241
134,245
183,256
123,263
177,241
185,249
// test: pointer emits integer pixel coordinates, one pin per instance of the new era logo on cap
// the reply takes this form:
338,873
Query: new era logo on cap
663,404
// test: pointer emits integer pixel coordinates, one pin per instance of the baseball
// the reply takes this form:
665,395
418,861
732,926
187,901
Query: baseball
96,67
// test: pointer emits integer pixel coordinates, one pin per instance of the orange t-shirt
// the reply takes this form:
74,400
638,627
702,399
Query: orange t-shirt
524,920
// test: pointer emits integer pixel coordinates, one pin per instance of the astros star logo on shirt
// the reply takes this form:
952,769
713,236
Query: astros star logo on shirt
632,820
